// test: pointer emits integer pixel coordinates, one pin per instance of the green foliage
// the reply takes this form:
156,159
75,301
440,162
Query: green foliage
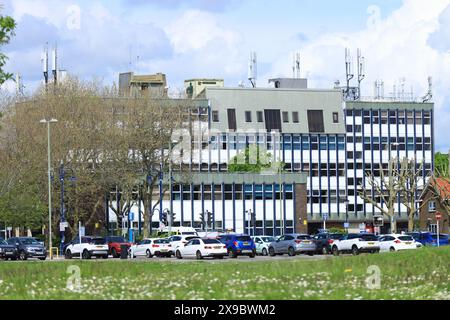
253,160
441,165
7,26
336,230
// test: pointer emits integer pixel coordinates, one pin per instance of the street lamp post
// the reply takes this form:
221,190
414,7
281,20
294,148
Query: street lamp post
346,214
48,122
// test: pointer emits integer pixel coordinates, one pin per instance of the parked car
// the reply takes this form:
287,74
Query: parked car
429,239
200,248
87,248
325,240
356,243
179,240
115,245
395,242
262,244
28,247
151,247
239,244
293,244
7,251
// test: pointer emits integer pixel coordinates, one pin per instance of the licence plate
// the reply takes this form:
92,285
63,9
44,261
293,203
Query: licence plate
163,250
247,251
246,243
9,253
306,241
371,243
217,247
408,242
99,247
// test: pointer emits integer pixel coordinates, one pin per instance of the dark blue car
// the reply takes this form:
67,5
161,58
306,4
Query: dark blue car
239,245
430,239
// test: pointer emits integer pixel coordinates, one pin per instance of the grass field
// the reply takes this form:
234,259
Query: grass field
419,274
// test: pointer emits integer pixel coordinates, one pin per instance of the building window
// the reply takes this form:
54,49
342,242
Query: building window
215,116
248,116
432,206
285,116
315,121
335,117
231,119
272,119
259,116
295,118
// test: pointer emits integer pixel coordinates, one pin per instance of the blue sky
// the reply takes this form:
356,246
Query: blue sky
212,38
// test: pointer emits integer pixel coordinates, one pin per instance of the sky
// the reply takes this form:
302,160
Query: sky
403,41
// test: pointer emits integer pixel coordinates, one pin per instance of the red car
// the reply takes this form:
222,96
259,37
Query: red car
115,243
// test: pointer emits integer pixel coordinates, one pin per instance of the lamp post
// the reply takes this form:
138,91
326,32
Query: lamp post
48,122
346,214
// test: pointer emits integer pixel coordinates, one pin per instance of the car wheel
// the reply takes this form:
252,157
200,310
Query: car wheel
114,253
252,255
272,252
335,251
291,252
105,257
14,258
220,257
68,254
264,252
148,254
231,254
86,255
310,253
391,249
324,250
355,250
198,255
23,256
178,254
43,258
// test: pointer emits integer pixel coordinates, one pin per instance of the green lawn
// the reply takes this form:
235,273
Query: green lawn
418,274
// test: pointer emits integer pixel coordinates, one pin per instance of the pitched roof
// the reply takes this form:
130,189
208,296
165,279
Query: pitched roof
443,186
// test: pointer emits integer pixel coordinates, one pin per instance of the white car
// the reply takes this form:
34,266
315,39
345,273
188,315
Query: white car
356,243
151,247
395,242
200,248
87,248
262,244
180,240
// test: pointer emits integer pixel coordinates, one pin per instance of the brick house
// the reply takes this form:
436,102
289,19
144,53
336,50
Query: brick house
435,198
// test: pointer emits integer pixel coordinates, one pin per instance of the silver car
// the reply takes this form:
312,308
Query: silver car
262,244
293,244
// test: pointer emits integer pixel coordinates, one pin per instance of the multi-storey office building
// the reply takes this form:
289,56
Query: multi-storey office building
328,141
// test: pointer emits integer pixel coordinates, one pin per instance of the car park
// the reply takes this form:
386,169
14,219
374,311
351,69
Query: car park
356,243
396,242
202,247
325,240
179,240
293,244
115,244
87,247
238,245
7,251
28,247
159,247
262,244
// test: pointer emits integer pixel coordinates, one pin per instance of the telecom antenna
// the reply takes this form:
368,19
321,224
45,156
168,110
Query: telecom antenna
44,60
348,70
19,85
429,95
252,69
296,65
361,71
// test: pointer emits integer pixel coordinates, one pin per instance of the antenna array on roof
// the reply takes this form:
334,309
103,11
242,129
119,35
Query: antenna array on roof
296,65
252,69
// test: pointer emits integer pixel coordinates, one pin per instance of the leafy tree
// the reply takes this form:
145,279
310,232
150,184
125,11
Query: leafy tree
7,26
255,160
441,165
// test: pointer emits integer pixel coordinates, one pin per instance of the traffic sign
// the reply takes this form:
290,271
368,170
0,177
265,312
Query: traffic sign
438,216
325,216
346,225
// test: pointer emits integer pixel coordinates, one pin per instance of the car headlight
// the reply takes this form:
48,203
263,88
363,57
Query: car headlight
1,250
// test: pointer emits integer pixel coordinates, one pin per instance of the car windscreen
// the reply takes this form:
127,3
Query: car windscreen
162,241
188,233
97,241
303,237
336,236
190,238
369,237
3,242
406,238
441,237
29,241
211,241
243,238
268,239
117,239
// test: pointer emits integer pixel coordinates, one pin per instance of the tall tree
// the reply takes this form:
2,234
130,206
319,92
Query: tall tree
441,165
7,26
